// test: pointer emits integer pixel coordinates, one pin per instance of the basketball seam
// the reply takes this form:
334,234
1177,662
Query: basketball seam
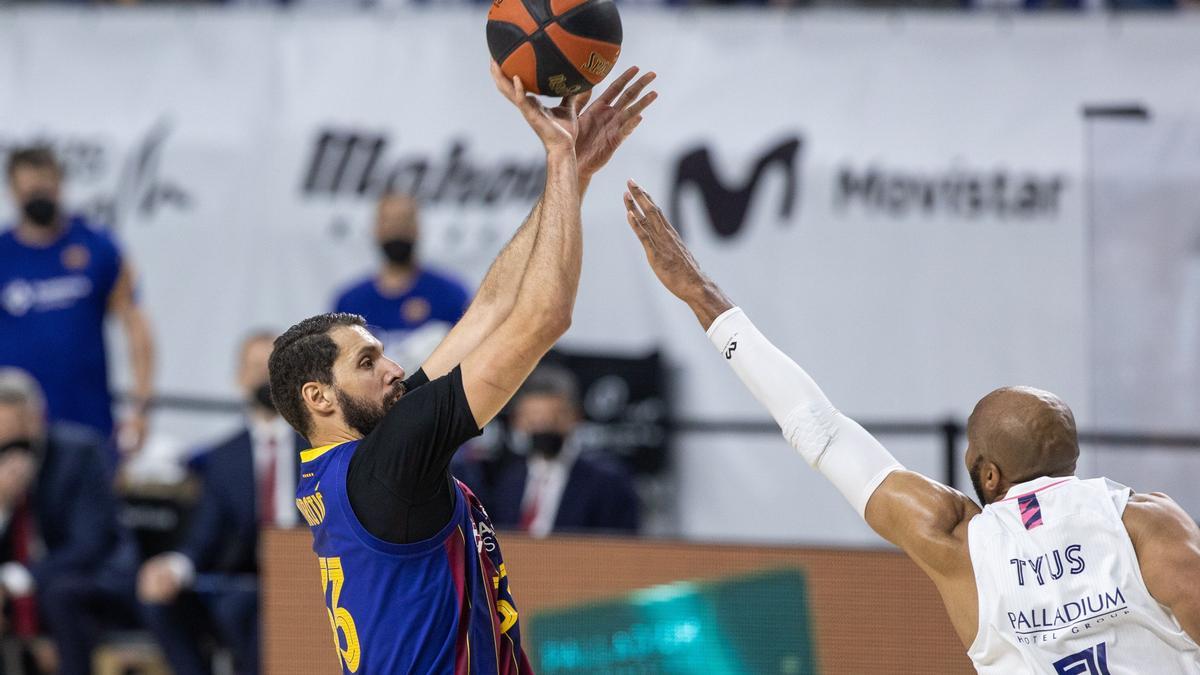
514,48
542,29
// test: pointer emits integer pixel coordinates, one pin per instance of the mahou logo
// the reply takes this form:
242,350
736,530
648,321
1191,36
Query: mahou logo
727,202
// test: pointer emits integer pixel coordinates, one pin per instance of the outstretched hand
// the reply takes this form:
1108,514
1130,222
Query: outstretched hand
556,127
669,257
610,119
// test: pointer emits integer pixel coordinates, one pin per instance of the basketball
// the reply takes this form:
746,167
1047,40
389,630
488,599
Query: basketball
556,47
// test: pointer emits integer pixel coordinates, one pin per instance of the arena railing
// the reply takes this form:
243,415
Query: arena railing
949,431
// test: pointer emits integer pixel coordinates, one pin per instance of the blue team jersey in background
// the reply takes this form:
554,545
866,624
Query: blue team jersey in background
432,297
52,306
439,606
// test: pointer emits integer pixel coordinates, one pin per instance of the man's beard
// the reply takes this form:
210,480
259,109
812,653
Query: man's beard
363,415
974,472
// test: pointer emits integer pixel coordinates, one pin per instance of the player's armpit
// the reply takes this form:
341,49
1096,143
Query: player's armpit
926,519
1167,542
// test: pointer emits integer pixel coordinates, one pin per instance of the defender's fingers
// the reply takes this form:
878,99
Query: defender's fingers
629,95
643,200
610,93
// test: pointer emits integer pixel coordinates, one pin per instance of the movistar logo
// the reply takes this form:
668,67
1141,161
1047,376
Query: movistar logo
727,203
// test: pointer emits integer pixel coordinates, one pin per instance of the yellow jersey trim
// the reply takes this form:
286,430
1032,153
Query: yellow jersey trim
313,453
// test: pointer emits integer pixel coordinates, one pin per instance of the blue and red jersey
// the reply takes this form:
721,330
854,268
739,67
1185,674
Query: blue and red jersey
441,605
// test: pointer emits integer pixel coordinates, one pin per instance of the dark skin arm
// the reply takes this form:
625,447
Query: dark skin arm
926,519
1167,542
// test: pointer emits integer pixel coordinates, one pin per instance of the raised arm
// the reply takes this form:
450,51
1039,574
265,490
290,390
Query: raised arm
603,126
919,515
542,311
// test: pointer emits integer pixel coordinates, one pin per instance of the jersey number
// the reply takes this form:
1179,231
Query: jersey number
340,620
1090,661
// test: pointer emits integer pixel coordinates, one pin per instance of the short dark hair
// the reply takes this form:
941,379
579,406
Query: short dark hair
35,157
304,353
551,380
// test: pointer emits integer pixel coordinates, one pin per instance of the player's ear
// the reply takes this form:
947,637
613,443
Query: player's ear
991,479
318,398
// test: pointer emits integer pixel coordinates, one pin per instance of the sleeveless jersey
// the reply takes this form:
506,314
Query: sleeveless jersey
1060,589
437,606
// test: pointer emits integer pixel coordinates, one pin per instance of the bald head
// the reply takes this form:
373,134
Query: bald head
1016,434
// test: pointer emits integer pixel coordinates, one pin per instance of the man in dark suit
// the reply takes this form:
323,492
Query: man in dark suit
555,487
66,566
209,586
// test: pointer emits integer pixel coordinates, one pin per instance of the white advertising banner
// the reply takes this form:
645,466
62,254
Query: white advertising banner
897,200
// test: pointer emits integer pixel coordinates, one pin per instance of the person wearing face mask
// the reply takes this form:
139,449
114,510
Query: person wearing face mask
59,280
208,587
555,487
411,306
66,565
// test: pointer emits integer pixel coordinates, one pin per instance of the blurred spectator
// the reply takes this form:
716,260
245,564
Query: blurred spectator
209,588
59,279
68,567
403,295
555,487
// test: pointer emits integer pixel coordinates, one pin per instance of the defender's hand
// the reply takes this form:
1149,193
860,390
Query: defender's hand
669,257
610,119
556,127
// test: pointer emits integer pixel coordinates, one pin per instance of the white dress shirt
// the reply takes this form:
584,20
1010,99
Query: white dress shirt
545,482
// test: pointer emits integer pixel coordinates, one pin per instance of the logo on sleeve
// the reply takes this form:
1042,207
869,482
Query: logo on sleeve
730,347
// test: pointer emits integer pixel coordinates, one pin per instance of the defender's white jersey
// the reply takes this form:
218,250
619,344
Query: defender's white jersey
1060,589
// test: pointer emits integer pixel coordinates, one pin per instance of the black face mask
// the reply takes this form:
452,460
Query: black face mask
262,397
41,211
548,444
399,251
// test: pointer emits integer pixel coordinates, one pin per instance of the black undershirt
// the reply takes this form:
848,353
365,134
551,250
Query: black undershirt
399,481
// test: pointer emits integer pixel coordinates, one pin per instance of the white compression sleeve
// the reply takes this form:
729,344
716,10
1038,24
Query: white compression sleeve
830,442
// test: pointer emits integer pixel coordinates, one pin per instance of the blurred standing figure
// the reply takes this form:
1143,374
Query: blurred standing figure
66,565
404,296
555,487
59,280
210,587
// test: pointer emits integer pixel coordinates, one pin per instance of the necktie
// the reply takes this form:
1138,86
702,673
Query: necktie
530,512
266,492
25,618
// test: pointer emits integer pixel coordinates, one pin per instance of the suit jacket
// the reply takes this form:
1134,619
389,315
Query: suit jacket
598,496
75,510
223,534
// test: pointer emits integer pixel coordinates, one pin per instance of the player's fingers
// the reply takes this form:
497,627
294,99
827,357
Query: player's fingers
643,103
579,101
628,126
610,93
643,200
500,80
632,208
640,231
630,95
518,88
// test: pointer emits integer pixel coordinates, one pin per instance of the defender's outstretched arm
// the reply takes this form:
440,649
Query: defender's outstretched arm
910,510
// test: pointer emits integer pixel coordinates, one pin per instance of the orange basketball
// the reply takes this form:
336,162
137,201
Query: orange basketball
556,47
